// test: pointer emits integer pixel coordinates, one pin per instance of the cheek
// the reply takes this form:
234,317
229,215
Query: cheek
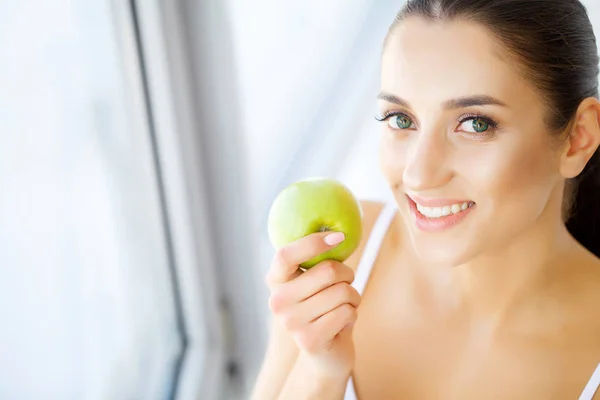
391,158
516,177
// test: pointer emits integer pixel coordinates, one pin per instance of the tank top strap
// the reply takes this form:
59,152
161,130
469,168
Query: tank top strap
374,242
366,263
350,393
592,385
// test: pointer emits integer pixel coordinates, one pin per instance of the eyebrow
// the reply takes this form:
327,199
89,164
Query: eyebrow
452,104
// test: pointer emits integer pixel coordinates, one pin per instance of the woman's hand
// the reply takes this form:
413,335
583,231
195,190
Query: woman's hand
317,307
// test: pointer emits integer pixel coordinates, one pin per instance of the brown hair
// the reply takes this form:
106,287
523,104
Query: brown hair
554,43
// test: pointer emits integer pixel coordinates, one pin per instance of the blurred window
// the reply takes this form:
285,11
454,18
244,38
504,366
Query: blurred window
87,306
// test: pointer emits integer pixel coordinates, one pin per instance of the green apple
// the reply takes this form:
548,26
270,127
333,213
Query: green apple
316,205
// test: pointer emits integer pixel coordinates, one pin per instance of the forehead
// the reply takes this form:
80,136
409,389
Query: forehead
426,60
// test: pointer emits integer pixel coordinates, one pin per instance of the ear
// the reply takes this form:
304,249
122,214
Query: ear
583,140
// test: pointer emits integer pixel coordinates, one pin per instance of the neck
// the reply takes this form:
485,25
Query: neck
496,282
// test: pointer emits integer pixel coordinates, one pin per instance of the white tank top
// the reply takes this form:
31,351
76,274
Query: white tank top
365,267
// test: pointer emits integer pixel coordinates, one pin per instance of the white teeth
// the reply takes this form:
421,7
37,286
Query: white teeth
438,212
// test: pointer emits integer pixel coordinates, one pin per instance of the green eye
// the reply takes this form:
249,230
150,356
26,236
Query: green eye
480,125
400,122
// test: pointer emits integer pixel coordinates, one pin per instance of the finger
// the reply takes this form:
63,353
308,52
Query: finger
288,258
321,276
320,304
329,325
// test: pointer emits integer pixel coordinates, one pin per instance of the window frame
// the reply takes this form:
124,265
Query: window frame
159,83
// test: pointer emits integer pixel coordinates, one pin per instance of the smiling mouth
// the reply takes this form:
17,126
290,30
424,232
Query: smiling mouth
441,215
441,212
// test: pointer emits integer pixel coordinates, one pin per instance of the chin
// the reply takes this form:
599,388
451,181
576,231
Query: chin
440,257
444,250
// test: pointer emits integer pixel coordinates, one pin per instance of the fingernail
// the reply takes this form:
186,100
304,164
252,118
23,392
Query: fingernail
334,238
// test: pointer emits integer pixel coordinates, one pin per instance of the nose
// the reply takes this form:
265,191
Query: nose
427,163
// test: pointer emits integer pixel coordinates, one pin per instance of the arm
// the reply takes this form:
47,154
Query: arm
280,358
302,384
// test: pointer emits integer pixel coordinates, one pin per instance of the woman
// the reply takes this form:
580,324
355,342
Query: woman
484,277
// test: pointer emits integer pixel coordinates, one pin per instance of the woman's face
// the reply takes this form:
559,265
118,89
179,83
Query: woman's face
464,135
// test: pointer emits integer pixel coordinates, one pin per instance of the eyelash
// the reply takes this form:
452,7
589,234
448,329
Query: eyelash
464,118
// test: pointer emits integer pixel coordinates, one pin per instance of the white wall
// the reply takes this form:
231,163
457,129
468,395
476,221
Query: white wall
593,7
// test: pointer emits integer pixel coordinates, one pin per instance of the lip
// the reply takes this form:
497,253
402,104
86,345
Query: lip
437,224
435,202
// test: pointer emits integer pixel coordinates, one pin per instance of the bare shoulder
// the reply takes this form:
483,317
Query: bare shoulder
585,312
586,277
591,291
583,302
371,210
